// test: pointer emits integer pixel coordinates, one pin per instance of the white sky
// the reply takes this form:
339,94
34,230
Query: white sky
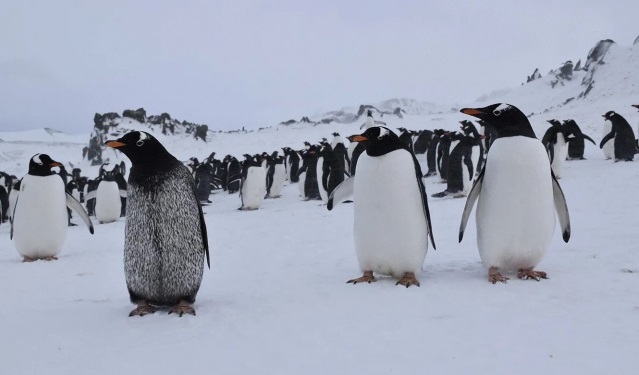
238,63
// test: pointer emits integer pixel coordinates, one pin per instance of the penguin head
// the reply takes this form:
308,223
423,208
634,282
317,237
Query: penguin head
336,134
609,115
507,119
554,122
141,148
378,140
41,164
369,113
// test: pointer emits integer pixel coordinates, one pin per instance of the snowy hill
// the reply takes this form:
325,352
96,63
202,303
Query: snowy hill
275,300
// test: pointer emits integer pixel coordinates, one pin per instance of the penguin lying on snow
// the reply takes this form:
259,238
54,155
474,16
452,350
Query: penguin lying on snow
40,220
165,234
517,197
392,220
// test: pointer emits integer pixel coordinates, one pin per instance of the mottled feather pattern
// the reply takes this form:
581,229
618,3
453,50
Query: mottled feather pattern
163,250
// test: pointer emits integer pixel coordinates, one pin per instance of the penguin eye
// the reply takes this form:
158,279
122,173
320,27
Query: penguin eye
139,143
497,112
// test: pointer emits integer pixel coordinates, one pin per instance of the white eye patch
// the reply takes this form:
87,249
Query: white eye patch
36,158
501,109
383,132
143,137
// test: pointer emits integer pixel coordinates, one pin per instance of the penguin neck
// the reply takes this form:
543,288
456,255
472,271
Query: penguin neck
523,130
382,148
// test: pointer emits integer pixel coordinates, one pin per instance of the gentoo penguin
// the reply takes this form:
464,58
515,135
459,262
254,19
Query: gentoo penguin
341,152
461,167
275,175
478,153
203,175
108,205
234,175
624,138
253,186
446,144
40,218
165,240
576,140
431,153
517,196
13,197
555,142
391,219
332,170
309,187
292,164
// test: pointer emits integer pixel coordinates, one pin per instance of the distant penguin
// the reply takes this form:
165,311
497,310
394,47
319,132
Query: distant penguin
391,216
431,153
478,154
461,167
253,187
319,167
332,170
576,140
108,205
165,244
517,196
555,142
292,164
13,197
5,188
446,144
118,176
406,136
40,219
625,145
308,174
422,141
275,176
234,175
341,152
203,181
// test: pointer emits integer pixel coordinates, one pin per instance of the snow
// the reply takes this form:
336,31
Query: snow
276,300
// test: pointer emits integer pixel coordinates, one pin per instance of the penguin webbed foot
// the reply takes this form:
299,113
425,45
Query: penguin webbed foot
408,279
28,260
143,309
367,277
531,274
182,308
495,276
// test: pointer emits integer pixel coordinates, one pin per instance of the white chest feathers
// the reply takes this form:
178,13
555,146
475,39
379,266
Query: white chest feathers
515,211
390,228
40,220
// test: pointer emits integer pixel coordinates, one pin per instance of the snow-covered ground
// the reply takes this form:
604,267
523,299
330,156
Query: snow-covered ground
275,300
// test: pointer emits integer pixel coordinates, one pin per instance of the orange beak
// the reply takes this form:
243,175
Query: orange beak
472,111
115,144
357,138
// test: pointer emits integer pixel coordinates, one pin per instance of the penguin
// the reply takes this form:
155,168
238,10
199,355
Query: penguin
118,176
108,205
555,142
13,197
625,145
517,195
422,141
446,144
341,152
275,175
253,186
609,146
322,172
576,140
309,187
461,167
332,170
406,137
234,175
292,164
431,153
5,189
478,153
391,216
40,220
203,175
166,241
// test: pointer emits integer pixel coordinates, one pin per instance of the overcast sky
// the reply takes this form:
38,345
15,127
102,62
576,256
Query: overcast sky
238,63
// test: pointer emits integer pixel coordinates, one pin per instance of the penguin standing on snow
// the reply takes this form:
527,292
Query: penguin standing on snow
275,175
40,218
517,196
292,164
108,205
555,142
391,219
461,167
341,152
576,140
253,186
625,145
165,243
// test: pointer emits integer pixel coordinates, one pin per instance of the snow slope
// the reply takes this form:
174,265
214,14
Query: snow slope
275,300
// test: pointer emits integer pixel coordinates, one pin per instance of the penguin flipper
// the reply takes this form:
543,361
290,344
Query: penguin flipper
470,202
605,139
205,236
420,183
561,207
588,138
73,204
90,195
341,193
13,215
123,193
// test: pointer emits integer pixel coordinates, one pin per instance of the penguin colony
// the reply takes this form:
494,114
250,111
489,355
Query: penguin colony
379,170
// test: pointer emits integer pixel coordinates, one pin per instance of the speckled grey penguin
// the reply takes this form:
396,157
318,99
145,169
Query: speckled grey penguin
165,234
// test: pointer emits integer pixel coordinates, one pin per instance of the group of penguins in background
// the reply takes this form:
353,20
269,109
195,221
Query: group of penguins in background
514,183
